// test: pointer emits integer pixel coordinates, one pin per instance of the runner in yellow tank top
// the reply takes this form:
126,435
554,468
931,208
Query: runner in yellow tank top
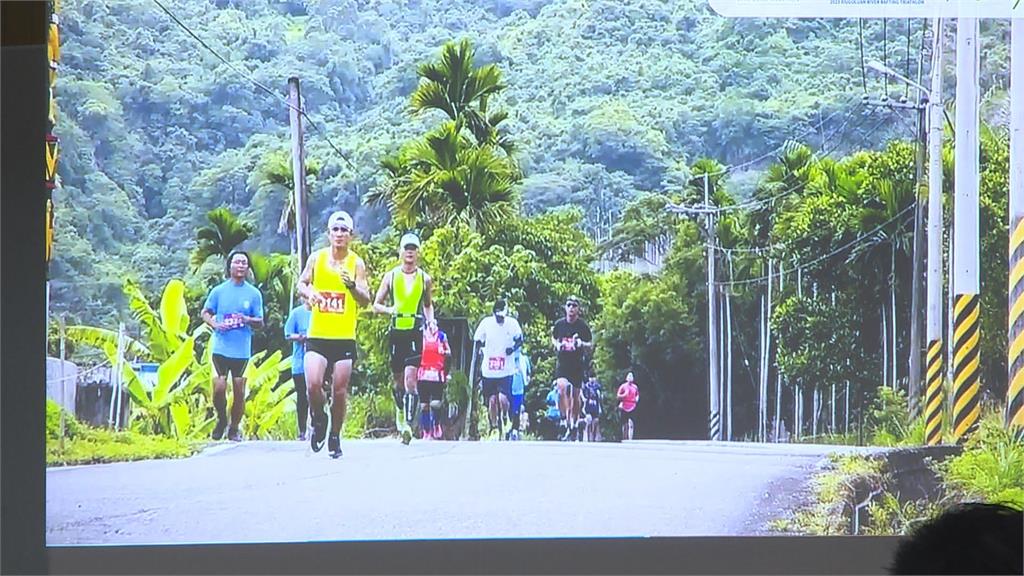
412,306
334,284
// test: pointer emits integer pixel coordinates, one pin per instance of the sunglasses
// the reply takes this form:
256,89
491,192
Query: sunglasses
340,229
572,305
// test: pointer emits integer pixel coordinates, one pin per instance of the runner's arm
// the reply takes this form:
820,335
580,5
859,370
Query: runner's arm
291,329
257,320
306,282
360,288
382,292
428,298
210,320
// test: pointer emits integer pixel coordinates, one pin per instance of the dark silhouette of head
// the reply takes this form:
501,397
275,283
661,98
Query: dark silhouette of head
966,539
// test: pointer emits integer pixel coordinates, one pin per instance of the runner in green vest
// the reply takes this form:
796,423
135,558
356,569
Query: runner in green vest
410,288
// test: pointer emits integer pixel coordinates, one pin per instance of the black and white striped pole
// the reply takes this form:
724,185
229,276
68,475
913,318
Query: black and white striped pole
933,405
965,273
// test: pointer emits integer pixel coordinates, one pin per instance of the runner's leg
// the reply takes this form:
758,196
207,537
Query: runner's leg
237,404
315,366
220,404
339,405
301,403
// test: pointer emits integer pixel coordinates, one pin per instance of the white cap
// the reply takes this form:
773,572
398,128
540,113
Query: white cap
407,239
340,217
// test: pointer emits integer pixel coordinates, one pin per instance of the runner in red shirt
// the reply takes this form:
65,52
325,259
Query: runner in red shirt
432,376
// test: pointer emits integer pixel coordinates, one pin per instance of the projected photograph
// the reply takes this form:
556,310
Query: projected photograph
346,270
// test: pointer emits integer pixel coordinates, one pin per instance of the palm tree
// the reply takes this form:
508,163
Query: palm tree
454,86
445,179
886,252
463,171
224,233
275,174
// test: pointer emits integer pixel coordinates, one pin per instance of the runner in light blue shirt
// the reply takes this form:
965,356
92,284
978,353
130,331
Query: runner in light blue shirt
231,310
296,328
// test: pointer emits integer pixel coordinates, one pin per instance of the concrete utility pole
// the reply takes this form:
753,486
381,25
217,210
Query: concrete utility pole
914,377
298,173
933,332
1015,361
714,417
966,309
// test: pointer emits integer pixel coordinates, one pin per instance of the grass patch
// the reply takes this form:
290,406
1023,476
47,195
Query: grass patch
98,446
991,467
834,493
87,445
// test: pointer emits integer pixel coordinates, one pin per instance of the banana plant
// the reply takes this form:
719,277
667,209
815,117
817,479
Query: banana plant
265,405
168,342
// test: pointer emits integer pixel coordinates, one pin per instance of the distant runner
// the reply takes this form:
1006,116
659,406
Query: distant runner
628,395
334,284
410,288
571,338
592,408
520,380
296,328
232,308
553,415
499,338
431,377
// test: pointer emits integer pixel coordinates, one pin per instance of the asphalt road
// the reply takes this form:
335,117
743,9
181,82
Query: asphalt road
380,489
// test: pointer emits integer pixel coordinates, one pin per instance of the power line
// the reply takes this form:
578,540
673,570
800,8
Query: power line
700,209
771,247
820,258
256,83
777,149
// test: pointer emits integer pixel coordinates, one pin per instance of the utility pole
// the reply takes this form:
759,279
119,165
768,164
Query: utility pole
914,377
934,392
966,309
1015,361
714,417
298,173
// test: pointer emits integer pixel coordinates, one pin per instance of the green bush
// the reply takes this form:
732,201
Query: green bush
834,492
890,518
72,427
991,467
887,422
369,414
87,445
97,446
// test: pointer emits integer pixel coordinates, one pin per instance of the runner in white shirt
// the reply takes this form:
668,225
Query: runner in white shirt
498,338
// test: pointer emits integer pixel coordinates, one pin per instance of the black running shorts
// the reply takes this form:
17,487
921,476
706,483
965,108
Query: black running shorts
406,347
492,386
333,350
222,365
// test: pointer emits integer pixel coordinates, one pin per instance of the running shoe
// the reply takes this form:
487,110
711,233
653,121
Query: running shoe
218,430
334,446
319,432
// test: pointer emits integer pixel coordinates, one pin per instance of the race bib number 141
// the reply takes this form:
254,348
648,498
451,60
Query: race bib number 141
333,302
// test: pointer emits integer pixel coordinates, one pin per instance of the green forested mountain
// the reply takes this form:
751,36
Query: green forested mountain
607,99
